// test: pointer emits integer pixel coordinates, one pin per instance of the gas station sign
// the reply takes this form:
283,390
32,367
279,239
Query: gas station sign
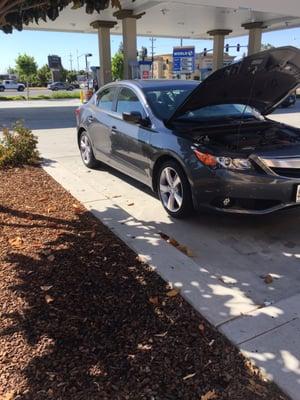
184,60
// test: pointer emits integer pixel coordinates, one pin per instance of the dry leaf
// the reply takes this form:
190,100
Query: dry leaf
77,208
185,250
93,234
163,235
46,288
51,257
51,209
9,395
154,300
173,242
130,203
201,328
268,279
49,299
16,242
173,293
161,334
211,394
189,376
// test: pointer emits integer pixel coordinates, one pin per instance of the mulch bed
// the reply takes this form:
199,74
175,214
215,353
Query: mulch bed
83,318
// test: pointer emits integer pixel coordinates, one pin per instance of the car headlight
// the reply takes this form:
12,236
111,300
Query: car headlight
222,162
234,163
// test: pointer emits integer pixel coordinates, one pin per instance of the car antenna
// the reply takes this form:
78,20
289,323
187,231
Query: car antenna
253,71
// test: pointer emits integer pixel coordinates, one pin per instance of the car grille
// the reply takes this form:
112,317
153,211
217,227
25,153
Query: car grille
288,172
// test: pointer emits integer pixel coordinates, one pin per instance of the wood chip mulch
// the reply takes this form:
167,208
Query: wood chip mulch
83,318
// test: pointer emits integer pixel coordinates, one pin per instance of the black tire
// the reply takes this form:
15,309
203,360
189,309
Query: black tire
90,160
186,208
20,89
2,88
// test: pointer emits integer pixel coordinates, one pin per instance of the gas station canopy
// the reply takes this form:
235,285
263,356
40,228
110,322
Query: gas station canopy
184,18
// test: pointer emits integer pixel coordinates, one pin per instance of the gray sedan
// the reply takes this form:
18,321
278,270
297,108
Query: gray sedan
207,144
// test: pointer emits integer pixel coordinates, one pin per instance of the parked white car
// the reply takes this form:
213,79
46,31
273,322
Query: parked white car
11,85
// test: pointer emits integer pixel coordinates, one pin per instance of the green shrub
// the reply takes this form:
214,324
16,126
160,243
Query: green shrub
18,147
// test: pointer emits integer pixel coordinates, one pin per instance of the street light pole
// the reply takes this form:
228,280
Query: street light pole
86,64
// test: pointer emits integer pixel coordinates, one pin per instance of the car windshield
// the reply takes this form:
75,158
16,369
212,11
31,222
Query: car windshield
164,100
220,112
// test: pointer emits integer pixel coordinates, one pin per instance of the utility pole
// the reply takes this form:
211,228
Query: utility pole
152,40
77,60
71,62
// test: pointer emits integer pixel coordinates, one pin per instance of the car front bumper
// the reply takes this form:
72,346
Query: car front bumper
245,192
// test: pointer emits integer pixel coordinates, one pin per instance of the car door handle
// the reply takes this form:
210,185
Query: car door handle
91,118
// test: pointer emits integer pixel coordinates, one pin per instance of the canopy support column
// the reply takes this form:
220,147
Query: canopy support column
218,50
104,49
129,38
255,34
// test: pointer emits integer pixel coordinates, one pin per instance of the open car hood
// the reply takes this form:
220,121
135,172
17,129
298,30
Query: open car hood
261,81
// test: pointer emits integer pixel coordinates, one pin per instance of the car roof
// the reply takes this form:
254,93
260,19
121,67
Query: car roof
157,83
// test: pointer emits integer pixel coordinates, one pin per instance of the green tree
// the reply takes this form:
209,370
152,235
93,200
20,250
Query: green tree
117,65
64,74
71,76
26,68
43,75
13,14
11,70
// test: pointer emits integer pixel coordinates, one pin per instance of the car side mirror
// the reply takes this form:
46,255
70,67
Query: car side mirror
135,117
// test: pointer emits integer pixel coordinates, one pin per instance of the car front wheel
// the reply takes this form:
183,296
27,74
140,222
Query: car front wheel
174,190
20,89
86,151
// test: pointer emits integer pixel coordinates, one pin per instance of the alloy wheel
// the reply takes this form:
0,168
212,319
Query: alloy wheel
85,149
171,190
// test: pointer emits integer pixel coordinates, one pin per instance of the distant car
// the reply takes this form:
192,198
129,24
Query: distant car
60,86
289,100
202,145
75,85
10,84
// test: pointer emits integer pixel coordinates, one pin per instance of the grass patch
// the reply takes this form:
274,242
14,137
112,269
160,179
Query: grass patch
52,96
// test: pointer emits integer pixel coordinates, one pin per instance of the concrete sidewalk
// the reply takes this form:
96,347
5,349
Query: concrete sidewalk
231,254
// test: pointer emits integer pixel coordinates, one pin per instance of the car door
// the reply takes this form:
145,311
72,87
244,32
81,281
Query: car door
130,142
99,123
8,85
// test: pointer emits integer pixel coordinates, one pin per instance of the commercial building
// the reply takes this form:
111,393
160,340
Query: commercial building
163,66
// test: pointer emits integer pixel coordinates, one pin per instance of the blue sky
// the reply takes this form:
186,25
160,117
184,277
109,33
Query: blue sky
41,44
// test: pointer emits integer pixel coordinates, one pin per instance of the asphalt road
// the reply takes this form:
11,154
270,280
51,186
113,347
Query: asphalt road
32,92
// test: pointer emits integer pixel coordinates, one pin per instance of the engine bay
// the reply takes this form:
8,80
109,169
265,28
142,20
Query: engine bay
246,139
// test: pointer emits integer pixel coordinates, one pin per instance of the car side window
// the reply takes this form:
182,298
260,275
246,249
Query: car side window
105,98
128,101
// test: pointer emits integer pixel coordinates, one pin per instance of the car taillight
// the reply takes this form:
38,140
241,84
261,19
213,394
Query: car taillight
206,158
77,112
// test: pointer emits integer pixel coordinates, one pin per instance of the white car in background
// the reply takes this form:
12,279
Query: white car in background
9,84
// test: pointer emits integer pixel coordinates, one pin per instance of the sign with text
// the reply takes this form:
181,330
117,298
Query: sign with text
54,62
184,59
